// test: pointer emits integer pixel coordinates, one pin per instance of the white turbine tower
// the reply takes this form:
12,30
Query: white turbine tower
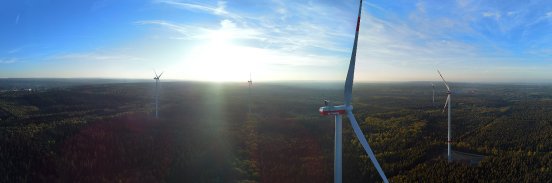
156,78
339,110
447,103
250,82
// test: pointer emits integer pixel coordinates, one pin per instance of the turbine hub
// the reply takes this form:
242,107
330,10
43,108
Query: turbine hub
349,107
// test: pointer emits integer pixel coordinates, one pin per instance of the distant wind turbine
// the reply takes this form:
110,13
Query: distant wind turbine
250,82
447,103
433,99
339,110
156,78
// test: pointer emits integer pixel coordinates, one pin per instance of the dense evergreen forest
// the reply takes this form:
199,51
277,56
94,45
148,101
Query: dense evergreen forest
205,133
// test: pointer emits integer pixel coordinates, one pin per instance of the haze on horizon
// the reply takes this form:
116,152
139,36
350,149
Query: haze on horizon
473,41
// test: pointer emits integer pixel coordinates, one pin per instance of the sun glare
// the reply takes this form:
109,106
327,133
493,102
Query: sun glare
220,37
220,59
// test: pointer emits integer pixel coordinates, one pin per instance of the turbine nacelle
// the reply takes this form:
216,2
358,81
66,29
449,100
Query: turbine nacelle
333,110
157,76
250,80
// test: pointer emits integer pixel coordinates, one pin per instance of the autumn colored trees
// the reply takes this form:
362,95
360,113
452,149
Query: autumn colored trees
106,133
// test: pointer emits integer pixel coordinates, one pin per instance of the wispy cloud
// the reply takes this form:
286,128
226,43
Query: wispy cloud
419,40
17,19
185,31
463,3
95,57
8,60
218,9
270,30
430,38
15,50
466,33
312,29
495,15
227,28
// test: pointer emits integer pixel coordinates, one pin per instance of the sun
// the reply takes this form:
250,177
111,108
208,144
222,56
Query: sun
220,59
220,37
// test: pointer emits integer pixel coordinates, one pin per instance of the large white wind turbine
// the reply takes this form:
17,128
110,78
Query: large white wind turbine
156,78
447,103
339,110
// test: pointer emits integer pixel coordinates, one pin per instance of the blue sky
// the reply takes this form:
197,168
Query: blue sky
214,40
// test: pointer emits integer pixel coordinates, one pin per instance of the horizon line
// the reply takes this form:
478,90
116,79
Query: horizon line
283,81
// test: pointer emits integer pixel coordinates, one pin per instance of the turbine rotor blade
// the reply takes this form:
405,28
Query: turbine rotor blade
160,75
155,72
348,95
364,142
443,80
446,103
348,92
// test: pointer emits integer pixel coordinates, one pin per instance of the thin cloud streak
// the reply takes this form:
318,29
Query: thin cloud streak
219,9
95,57
17,19
8,60
189,32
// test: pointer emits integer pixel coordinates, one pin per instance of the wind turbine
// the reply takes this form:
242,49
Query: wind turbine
447,103
347,109
250,82
156,78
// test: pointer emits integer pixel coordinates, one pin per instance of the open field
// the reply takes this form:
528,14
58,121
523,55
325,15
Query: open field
95,132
